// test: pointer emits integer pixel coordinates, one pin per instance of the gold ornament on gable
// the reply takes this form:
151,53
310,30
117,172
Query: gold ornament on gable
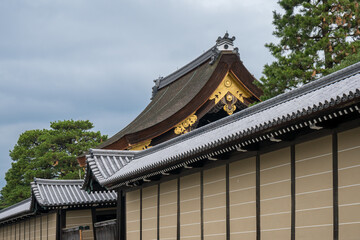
229,92
140,146
184,126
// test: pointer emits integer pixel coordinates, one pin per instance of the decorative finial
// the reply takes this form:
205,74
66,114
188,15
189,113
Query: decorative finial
156,87
225,43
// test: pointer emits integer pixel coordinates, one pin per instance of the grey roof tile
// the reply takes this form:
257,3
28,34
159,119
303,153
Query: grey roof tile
106,163
22,208
51,193
323,93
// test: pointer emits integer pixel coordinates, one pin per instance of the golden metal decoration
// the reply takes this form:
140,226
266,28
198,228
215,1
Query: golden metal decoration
183,127
229,98
230,110
140,146
229,102
227,83
229,92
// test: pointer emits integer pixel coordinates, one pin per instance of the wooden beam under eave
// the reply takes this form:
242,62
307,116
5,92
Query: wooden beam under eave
121,215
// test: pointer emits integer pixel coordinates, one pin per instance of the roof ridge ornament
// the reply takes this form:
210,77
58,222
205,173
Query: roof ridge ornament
215,53
225,43
156,87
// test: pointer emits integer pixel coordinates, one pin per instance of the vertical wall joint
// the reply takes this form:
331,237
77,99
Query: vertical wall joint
202,204
227,203
158,213
258,230
141,212
335,186
178,210
293,191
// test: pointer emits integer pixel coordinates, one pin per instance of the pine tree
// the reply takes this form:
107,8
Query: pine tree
315,35
47,153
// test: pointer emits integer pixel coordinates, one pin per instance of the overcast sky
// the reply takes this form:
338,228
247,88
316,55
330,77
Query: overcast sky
96,60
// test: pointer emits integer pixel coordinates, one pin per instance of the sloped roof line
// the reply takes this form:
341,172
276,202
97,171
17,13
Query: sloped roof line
342,84
22,208
187,68
66,192
97,157
211,54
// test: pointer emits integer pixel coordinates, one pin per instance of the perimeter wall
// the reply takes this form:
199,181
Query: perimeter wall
33,228
43,227
310,190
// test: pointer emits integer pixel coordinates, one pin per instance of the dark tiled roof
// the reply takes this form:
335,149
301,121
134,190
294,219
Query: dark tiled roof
187,68
169,99
55,193
22,208
110,161
307,100
174,93
212,54
176,97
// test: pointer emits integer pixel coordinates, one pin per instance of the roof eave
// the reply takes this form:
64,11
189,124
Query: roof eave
188,159
325,81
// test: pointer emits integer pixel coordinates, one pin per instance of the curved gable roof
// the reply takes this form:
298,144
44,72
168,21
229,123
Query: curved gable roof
177,98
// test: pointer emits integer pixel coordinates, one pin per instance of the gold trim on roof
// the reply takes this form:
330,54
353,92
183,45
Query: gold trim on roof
140,146
184,126
229,92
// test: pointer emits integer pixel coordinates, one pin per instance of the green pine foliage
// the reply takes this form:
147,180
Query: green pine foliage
314,36
349,60
48,153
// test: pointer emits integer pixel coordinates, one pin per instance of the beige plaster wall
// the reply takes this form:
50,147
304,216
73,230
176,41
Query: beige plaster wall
149,212
37,227
168,209
314,189
190,214
242,186
275,195
52,226
27,229
18,230
44,226
133,215
215,204
314,197
349,184
30,228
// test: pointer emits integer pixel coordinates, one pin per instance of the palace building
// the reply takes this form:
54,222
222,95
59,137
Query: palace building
214,85
202,162
205,161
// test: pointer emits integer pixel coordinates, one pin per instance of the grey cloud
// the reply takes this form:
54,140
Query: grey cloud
96,60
